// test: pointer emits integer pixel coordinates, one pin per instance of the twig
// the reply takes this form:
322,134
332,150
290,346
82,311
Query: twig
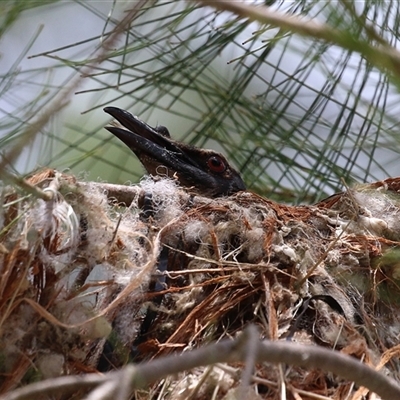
26,186
384,57
142,375
121,193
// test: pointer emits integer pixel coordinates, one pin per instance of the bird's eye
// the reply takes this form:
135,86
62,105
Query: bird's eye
216,164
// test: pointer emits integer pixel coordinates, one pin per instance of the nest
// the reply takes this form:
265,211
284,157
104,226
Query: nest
102,275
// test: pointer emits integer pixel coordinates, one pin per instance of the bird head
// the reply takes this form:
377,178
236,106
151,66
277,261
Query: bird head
204,172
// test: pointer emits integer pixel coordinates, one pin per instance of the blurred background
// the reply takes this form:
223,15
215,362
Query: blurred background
298,116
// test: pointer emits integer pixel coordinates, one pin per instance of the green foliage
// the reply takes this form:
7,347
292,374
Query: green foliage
298,115
10,10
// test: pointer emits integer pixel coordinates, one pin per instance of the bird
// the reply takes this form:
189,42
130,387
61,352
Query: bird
201,171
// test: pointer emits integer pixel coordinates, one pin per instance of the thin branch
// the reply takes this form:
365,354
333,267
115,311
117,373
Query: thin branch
142,375
120,193
26,186
384,57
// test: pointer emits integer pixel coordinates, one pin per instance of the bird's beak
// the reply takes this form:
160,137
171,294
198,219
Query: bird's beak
161,155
